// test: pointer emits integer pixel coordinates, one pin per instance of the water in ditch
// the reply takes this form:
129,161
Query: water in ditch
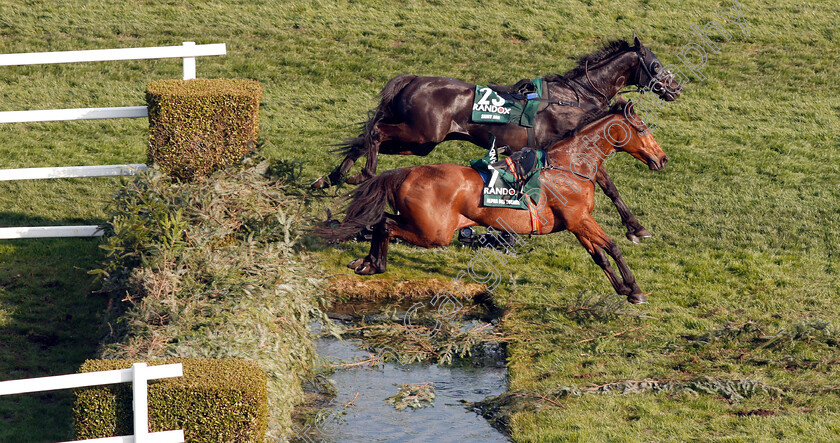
359,412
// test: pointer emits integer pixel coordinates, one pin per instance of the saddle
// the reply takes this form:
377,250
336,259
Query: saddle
521,165
510,182
513,182
519,91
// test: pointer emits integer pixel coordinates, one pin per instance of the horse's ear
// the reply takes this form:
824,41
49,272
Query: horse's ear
636,40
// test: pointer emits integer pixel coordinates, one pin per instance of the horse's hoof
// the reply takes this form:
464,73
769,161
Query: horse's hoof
357,179
632,237
355,264
367,268
321,183
643,233
637,298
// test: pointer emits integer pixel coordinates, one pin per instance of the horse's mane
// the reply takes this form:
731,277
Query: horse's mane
608,50
589,118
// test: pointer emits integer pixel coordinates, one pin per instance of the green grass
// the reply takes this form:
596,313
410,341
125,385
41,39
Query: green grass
745,217
48,326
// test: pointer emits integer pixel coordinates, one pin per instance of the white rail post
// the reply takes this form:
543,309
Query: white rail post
189,64
141,402
139,374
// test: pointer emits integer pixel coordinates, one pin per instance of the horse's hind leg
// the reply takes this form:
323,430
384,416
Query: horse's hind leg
369,170
338,173
422,229
375,139
376,261
634,228
355,149
599,245
417,139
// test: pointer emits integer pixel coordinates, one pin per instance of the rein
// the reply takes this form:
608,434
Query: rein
548,165
578,104
549,101
594,86
638,90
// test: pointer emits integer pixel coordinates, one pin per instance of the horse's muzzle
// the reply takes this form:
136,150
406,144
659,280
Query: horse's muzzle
669,90
655,165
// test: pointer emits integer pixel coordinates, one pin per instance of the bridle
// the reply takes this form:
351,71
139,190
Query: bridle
651,75
642,65
593,88
549,165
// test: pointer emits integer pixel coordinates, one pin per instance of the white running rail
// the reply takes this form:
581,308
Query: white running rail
188,52
138,375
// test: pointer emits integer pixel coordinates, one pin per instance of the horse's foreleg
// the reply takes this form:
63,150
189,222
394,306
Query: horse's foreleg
634,228
636,296
599,244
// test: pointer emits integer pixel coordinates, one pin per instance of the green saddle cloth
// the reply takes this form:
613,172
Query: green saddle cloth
501,187
492,107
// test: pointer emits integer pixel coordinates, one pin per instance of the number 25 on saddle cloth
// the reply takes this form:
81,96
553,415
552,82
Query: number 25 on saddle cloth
490,106
513,182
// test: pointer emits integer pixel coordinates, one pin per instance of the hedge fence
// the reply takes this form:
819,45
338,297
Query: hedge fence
198,126
215,400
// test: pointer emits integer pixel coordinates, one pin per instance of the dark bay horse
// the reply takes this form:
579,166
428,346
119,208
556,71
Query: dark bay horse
415,114
433,201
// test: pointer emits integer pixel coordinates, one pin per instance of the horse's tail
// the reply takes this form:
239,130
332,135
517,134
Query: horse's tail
360,145
367,207
352,146
382,112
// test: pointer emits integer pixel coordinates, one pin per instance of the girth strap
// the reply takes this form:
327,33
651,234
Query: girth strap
533,211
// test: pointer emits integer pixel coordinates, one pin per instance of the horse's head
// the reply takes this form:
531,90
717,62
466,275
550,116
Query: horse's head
630,134
652,76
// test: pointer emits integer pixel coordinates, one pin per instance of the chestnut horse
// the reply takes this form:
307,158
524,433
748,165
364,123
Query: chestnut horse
433,201
415,114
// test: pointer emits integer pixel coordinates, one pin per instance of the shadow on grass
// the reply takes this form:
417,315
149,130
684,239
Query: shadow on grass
49,324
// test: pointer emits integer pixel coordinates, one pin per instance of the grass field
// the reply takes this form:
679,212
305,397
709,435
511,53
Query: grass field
743,263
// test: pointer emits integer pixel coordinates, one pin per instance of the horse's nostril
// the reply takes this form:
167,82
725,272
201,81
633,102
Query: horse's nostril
664,160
